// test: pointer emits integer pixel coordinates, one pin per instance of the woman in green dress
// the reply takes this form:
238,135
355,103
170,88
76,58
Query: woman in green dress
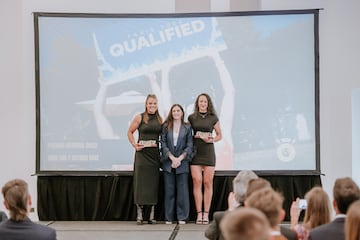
147,157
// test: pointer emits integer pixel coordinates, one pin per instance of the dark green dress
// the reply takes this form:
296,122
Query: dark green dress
147,164
205,152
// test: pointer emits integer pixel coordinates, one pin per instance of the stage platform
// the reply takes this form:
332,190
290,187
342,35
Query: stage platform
115,230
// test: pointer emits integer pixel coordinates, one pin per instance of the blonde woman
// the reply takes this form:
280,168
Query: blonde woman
317,212
147,157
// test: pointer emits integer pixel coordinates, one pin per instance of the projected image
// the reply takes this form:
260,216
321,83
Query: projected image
95,73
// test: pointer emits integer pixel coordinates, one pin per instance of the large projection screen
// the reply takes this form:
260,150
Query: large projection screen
94,71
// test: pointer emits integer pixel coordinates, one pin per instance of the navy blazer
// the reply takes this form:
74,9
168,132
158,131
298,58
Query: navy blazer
26,229
184,144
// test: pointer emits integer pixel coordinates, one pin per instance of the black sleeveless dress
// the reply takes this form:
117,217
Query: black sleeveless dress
205,152
147,164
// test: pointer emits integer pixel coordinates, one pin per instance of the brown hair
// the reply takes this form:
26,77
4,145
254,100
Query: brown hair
170,120
245,224
352,222
146,114
269,202
256,184
318,208
345,192
16,197
210,108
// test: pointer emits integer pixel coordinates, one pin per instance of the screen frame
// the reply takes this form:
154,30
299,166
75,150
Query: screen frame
38,15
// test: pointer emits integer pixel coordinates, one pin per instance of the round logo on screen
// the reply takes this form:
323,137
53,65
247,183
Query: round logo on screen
286,151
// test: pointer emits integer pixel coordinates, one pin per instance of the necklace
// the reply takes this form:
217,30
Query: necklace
203,115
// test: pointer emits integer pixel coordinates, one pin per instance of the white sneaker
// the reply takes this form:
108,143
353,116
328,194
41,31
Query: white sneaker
168,222
182,222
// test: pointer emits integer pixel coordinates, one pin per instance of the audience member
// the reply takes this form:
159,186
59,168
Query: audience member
235,199
352,222
245,224
345,192
270,203
256,184
317,212
260,183
18,201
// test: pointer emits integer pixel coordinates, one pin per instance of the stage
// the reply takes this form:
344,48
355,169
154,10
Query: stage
110,198
114,230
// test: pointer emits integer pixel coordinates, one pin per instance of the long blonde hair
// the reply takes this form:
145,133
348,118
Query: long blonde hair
146,114
352,222
318,208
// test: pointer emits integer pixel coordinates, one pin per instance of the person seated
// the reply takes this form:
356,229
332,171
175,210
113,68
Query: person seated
235,199
345,192
18,201
245,224
317,212
260,183
352,222
270,203
256,184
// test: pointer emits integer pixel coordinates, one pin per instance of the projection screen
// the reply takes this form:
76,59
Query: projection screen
94,71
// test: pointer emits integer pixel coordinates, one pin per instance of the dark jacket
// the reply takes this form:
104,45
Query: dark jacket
25,229
184,144
331,231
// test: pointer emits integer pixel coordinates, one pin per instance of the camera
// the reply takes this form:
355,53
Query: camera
302,204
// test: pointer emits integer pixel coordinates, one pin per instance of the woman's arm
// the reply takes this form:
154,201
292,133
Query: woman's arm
164,146
189,141
134,125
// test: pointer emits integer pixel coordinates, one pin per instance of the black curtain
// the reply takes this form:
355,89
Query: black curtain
96,198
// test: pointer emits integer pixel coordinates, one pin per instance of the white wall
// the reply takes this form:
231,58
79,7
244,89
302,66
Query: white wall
339,74
356,134
339,51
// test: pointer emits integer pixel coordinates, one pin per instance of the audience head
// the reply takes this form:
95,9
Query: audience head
245,224
352,222
256,184
270,203
345,192
318,209
17,199
240,184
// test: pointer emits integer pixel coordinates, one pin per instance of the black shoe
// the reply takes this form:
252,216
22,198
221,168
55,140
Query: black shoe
152,221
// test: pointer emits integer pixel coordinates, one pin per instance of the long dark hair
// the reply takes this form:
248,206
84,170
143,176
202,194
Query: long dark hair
210,109
170,120
146,114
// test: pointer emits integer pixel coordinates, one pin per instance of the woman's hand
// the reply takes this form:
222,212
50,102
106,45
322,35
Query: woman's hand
232,203
294,213
138,147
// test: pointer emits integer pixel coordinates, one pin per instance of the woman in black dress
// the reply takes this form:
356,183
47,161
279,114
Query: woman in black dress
147,157
204,121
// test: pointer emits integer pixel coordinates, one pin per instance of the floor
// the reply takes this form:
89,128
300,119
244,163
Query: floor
108,230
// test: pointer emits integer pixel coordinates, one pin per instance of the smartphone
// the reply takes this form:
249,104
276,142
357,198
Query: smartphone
302,204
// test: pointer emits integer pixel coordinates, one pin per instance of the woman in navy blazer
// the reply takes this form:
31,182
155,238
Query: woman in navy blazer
176,146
